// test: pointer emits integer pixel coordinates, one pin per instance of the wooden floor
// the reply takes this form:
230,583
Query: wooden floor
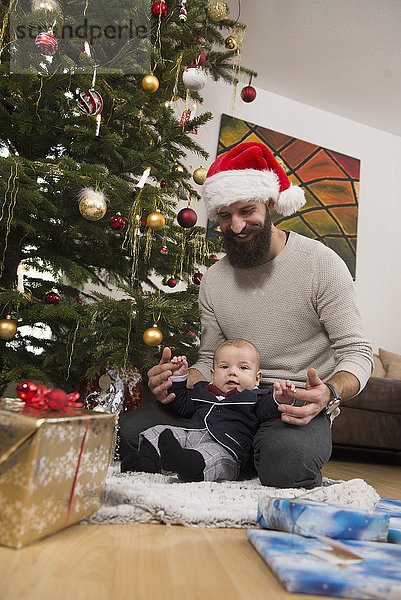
152,562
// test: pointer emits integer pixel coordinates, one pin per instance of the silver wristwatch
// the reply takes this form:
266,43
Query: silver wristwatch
335,401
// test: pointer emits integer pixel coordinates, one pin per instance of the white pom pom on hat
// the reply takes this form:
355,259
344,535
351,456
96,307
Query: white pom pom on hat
250,172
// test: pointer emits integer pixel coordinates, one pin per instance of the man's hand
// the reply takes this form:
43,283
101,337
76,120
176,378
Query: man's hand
316,397
158,375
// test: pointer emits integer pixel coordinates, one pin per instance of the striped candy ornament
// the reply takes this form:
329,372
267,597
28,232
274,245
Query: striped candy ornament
90,102
46,42
183,12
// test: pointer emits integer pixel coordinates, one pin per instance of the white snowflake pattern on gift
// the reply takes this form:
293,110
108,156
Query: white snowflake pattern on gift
78,491
89,496
36,517
31,487
60,431
18,475
50,469
95,461
39,516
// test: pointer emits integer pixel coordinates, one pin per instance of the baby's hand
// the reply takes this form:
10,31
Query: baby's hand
284,392
180,365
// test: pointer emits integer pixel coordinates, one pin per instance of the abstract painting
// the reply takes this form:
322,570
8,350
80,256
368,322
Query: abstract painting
329,179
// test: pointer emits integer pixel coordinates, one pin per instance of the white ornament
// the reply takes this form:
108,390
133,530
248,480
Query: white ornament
46,5
194,78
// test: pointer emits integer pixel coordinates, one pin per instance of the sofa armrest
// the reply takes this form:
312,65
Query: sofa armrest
372,419
379,394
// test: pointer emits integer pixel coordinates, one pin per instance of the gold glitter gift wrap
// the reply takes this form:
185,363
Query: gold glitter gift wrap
52,469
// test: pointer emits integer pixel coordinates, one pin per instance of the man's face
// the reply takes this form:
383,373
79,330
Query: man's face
246,228
235,368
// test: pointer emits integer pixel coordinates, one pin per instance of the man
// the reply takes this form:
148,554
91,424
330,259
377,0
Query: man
293,298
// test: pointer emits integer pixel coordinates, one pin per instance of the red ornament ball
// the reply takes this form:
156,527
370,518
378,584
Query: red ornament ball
187,217
197,278
213,257
159,8
117,222
200,59
52,298
248,93
46,42
79,301
57,399
164,250
26,390
171,282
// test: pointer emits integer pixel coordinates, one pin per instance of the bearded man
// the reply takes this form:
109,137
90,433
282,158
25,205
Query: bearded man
293,298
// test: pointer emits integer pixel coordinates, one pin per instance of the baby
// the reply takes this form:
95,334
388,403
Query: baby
223,417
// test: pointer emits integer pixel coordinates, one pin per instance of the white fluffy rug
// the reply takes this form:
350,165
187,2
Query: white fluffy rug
147,498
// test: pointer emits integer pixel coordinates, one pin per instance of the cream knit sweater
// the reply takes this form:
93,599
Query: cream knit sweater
299,309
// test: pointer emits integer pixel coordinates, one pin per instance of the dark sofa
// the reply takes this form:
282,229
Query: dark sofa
371,420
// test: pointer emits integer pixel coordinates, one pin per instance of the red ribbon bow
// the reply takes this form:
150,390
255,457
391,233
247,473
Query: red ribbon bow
40,397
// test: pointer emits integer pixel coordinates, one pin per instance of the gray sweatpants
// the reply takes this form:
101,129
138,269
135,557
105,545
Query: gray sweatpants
219,463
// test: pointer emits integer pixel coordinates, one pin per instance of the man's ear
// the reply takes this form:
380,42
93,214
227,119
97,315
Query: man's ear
212,373
270,204
258,377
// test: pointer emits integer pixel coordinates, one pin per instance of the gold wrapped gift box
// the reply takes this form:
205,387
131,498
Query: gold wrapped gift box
52,469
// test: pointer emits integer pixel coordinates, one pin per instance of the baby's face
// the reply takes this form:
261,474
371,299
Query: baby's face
235,368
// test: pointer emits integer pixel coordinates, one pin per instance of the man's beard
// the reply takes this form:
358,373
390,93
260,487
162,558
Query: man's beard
252,253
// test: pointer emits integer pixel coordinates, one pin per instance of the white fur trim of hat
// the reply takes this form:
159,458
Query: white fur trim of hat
234,178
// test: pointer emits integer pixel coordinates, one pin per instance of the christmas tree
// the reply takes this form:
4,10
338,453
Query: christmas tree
91,169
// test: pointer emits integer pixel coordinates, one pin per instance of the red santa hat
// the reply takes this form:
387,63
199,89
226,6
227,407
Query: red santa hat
250,172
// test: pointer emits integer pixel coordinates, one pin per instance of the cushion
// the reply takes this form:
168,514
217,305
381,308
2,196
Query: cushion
391,362
372,419
378,369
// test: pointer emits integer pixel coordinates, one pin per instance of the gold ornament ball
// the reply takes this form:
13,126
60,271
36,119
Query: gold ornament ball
155,221
231,43
199,175
178,168
150,83
8,328
92,205
153,336
217,10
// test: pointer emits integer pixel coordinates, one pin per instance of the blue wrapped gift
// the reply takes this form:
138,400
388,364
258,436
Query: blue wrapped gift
393,509
394,531
309,518
311,566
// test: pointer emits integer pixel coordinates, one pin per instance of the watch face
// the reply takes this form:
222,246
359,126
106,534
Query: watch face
332,405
